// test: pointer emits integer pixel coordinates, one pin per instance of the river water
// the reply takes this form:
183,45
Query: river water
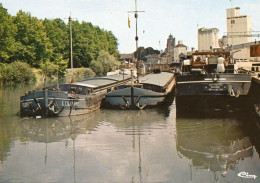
152,145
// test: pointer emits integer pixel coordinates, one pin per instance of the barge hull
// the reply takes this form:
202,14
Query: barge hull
213,85
53,103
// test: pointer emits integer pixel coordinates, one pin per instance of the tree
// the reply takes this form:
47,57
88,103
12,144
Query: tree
104,63
97,67
88,41
8,31
34,46
112,40
83,44
108,61
143,52
57,32
16,72
47,42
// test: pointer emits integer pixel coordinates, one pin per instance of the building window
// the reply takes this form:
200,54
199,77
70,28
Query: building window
232,21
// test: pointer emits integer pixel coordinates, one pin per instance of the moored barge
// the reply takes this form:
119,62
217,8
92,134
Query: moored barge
69,99
151,91
199,77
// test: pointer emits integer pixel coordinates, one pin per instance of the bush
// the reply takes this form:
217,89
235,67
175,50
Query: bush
104,63
54,69
83,73
49,69
97,67
16,72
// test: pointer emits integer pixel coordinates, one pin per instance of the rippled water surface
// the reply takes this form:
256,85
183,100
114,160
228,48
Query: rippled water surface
153,145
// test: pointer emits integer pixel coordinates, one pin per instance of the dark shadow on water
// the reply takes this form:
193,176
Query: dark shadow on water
221,112
210,107
216,133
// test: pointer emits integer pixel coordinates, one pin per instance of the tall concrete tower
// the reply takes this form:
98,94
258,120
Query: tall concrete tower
238,25
207,39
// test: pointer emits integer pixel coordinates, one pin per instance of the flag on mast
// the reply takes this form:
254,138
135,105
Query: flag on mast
128,21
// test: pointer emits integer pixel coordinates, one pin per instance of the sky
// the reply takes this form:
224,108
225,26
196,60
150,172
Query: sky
180,18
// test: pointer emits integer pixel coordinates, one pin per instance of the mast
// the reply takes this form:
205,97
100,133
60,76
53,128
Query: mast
136,26
136,44
136,37
71,56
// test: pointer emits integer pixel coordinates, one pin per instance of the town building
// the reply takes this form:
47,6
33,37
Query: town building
180,50
166,58
170,45
239,31
153,59
207,39
127,57
241,52
172,53
238,26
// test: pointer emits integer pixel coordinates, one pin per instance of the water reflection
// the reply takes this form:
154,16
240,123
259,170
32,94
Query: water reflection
9,108
209,145
63,129
104,135
129,146
214,140
57,129
137,124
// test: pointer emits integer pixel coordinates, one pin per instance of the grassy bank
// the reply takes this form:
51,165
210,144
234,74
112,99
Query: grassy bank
20,72
16,72
78,74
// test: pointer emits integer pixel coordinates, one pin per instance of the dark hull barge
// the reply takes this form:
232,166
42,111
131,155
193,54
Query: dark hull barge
213,84
151,91
70,99
200,78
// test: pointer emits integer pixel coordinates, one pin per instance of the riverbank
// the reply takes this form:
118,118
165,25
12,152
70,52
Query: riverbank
16,72
13,75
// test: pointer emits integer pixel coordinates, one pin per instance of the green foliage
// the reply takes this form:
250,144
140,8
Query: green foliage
97,67
34,45
104,63
60,65
16,72
108,61
49,69
88,41
46,43
8,31
142,52
57,33
83,73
